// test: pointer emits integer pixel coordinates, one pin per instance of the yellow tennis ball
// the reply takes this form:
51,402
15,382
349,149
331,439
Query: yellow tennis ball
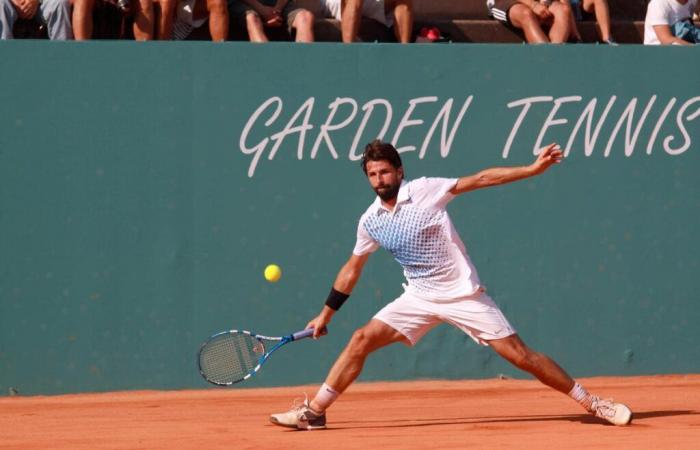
273,273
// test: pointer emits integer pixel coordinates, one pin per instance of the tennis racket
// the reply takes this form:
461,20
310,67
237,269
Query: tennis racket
233,356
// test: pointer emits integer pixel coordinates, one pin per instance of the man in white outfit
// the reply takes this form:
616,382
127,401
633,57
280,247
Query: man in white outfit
409,219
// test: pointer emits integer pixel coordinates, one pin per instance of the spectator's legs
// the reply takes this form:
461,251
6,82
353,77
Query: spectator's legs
522,17
602,16
254,25
57,17
351,14
403,18
164,15
8,16
573,27
82,19
304,24
218,19
561,23
143,19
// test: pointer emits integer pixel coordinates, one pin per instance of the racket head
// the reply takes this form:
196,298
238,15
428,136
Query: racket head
231,356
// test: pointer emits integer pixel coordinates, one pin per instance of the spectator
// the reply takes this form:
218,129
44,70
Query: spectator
142,10
589,9
396,13
668,22
164,18
55,14
530,16
260,14
192,14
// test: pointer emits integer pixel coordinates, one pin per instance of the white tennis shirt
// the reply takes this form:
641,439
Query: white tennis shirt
419,234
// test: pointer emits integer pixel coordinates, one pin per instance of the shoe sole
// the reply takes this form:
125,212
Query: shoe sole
297,427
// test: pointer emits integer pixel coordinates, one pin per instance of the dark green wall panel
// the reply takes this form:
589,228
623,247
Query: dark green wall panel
133,222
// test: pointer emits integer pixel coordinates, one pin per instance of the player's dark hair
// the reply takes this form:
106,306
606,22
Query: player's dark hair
380,151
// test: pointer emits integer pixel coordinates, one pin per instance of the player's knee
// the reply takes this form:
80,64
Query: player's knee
359,343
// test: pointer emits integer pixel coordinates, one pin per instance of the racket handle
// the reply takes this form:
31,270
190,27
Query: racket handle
303,334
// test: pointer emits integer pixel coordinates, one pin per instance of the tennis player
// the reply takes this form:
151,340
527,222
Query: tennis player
408,218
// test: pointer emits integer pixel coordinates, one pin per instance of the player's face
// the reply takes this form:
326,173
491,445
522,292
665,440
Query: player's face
384,178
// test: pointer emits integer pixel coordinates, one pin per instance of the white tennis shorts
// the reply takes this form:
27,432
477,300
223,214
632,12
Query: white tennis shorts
476,315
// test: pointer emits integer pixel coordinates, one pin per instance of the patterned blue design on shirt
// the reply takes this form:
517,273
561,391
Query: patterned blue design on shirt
416,239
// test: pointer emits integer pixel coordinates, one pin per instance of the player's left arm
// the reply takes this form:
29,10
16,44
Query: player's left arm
495,176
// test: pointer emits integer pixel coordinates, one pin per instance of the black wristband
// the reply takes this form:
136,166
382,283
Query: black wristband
336,299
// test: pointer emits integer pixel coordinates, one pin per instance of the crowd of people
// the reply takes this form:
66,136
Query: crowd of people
668,22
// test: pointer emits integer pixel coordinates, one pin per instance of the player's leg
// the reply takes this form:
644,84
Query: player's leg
412,315
373,336
514,350
311,415
602,16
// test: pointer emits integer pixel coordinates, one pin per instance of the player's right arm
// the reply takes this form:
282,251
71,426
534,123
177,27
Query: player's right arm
344,283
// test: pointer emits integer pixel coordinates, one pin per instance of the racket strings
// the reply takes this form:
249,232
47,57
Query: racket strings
230,357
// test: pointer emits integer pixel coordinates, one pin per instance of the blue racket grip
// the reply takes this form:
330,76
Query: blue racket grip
303,334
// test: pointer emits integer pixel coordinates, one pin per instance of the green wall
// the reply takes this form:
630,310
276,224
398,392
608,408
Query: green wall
141,196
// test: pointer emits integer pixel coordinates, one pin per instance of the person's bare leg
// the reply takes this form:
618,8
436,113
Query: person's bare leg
166,19
403,18
548,372
522,17
304,24
561,22
351,15
602,16
143,20
82,19
373,336
538,364
218,19
256,31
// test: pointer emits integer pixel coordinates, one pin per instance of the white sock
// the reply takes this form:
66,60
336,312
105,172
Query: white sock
325,397
581,395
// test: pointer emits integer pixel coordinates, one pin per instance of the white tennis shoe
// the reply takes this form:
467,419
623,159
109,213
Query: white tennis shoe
301,417
615,413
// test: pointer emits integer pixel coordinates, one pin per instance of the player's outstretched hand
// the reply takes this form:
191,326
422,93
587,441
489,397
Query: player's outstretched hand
319,325
549,155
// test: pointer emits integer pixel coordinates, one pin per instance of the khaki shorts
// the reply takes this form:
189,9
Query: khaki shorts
476,315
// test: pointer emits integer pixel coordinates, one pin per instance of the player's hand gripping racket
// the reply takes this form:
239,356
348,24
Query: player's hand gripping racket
233,356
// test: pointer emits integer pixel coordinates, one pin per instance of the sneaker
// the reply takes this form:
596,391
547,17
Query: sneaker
301,417
612,42
615,413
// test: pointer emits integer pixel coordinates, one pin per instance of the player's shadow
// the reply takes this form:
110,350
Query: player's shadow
581,418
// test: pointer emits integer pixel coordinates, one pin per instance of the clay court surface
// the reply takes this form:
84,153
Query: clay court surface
402,415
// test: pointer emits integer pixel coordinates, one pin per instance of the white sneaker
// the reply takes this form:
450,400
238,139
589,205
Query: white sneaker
301,417
615,413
